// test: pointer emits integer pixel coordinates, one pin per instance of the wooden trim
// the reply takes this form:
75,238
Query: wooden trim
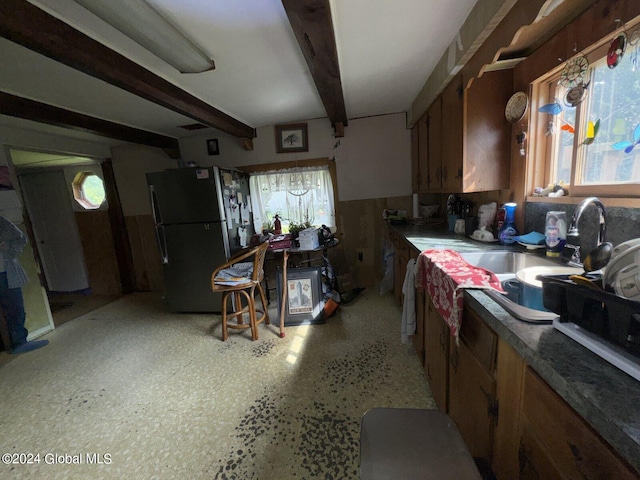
589,34
522,14
121,242
624,202
15,106
33,28
313,27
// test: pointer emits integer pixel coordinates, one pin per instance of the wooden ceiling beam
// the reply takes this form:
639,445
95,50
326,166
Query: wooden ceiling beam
25,24
15,106
313,27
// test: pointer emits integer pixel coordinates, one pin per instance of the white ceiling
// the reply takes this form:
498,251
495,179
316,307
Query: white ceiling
386,49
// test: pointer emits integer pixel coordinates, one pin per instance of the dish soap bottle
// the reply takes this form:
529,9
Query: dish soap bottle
508,229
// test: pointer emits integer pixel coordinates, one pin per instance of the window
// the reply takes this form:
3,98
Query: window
88,190
297,195
591,146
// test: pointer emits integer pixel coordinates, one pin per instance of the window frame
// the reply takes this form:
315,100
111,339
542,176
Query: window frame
78,191
539,155
314,162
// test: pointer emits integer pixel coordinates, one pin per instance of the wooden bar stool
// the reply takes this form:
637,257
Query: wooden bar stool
407,444
223,280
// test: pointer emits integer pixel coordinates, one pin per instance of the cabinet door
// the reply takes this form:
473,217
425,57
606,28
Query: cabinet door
564,440
452,109
533,461
471,400
434,131
415,158
418,339
423,154
487,134
437,355
509,386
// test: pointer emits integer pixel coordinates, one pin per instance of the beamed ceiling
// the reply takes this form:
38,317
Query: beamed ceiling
276,62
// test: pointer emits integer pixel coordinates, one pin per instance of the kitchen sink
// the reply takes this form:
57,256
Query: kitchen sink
505,264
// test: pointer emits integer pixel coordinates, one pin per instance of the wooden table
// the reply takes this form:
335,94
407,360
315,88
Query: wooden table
285,259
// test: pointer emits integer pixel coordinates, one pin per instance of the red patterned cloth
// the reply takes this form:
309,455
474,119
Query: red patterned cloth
444,274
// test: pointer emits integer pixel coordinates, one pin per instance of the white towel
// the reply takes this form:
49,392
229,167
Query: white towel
409,307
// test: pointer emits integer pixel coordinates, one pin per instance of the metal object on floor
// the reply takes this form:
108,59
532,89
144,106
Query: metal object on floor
401,443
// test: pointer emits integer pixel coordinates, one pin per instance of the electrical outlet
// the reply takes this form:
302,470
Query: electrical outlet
360,255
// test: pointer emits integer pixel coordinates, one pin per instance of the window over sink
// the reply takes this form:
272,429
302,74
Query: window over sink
590,130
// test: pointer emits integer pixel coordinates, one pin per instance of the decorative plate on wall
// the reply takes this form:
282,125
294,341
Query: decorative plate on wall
574,72
516,107
616,50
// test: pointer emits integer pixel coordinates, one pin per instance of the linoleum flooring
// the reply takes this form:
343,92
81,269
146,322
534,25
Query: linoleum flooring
130,390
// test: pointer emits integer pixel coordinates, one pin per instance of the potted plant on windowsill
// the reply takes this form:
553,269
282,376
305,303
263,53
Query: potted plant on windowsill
295,229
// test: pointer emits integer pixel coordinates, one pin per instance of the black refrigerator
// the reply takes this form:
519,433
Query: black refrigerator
202,216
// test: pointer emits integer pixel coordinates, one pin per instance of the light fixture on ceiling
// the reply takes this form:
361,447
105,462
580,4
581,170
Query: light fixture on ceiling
142,23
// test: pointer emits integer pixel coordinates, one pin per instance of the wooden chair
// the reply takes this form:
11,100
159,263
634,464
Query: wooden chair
244,289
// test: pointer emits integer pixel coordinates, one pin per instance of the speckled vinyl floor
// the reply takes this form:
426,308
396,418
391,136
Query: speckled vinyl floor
131,391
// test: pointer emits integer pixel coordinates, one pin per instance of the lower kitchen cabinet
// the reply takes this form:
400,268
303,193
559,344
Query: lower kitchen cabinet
419,338
555,442
472,385
436,346
508,415
510,368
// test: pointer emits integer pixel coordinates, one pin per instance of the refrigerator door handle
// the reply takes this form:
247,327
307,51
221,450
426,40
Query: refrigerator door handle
157,217
162,243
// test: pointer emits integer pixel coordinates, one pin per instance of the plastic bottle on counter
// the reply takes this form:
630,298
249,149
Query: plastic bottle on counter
555,233
508,229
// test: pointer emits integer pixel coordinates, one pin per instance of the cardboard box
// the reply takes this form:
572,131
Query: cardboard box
309,238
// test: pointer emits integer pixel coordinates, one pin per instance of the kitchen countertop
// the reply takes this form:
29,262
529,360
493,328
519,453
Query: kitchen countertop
606,397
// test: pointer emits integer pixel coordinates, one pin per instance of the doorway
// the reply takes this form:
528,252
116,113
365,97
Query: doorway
72,237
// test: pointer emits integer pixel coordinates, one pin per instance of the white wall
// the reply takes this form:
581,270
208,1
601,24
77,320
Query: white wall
373,159
194,148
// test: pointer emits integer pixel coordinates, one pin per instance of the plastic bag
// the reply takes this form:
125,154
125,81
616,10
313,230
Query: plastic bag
388,255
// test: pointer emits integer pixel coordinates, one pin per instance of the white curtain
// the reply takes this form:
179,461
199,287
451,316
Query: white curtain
296,195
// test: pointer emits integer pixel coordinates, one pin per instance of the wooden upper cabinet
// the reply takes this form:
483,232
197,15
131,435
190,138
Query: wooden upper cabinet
452,110
415,159
434,147
464,141
487,134
423,154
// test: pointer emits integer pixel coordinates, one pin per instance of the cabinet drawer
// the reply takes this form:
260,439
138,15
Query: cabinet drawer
574,448
481,340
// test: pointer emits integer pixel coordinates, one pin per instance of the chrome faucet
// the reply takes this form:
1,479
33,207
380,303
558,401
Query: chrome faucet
573,226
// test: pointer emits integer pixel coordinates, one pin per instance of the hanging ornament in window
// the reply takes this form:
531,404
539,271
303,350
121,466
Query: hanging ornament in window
592,131
574,72
634,42
616,50
551,108
575,95
626,145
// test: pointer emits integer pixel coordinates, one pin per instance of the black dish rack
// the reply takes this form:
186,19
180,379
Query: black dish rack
610,316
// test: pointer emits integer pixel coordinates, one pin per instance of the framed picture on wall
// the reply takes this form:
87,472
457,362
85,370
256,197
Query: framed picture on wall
212,146
305,302
292,138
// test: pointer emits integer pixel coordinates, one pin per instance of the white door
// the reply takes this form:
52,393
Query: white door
46,197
